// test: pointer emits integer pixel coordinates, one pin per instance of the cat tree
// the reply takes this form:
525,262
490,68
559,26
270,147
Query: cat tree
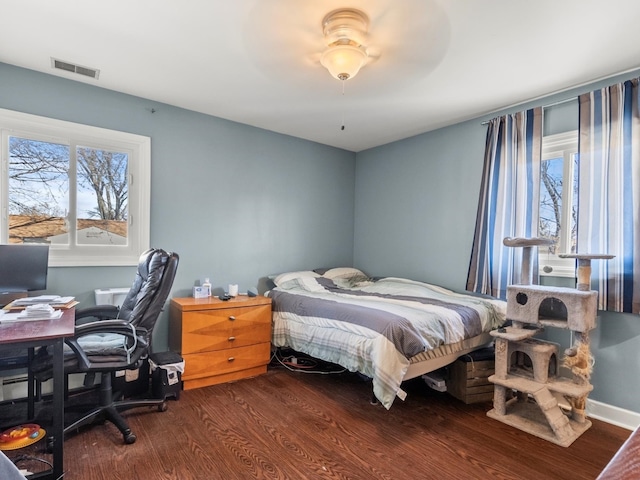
528,390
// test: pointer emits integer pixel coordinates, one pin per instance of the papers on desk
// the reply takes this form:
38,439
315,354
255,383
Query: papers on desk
27,315
56,301
43,307
38,310
53,300
38,299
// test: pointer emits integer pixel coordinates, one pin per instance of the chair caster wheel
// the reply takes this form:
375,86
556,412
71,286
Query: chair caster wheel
129,438
163,407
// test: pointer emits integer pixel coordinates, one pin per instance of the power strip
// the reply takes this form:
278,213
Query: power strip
435,380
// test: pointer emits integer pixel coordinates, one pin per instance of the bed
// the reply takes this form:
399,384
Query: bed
388,329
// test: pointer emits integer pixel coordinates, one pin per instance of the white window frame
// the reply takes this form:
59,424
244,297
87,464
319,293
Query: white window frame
137,147
563,145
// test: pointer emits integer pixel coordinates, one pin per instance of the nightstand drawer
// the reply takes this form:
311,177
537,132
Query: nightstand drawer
207,330
219,362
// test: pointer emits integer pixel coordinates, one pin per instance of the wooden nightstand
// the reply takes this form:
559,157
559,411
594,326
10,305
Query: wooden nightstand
220,341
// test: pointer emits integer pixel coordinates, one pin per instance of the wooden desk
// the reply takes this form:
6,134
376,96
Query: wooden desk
626,462
32,334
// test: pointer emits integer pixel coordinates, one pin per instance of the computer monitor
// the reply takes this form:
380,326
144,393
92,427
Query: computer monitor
23,267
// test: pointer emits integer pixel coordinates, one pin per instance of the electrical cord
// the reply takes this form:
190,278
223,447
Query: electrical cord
301,363
24,457
294,362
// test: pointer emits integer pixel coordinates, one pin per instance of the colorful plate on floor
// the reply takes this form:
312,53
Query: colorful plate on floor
21,436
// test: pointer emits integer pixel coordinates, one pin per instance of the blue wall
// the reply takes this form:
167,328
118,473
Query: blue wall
236,202
239,203
416,204
415,215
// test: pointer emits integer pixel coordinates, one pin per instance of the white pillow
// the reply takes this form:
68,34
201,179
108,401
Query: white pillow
345,275
304,279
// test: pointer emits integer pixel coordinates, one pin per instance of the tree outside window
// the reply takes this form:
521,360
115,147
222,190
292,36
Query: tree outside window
42,183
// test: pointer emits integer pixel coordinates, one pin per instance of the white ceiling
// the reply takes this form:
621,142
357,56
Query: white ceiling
256,61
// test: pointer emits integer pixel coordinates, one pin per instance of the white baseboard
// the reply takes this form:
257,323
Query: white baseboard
614,415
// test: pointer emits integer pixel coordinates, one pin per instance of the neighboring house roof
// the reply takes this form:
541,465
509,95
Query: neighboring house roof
90,236
26,228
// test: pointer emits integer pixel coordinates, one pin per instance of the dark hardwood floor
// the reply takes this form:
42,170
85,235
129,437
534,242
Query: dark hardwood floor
289,425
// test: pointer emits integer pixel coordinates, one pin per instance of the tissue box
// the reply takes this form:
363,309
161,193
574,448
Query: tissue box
201,292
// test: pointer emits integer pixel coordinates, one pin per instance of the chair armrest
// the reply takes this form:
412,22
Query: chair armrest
101,312
118,327
121,327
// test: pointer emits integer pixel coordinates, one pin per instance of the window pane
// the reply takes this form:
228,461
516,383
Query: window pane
551,200
574,205
102,197
38,190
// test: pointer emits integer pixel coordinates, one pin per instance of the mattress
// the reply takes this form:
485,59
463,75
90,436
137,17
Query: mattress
389,329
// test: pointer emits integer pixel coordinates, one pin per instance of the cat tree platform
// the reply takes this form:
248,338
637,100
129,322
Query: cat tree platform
531,418
525,393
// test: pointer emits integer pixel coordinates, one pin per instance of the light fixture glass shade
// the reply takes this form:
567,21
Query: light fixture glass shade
345,26
343,61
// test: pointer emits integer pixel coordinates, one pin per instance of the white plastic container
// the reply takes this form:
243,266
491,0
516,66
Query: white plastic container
206,286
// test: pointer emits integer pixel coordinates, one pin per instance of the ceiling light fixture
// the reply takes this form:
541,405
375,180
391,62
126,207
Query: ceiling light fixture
345,32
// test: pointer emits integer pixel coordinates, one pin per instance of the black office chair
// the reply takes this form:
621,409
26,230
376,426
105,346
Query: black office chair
115,339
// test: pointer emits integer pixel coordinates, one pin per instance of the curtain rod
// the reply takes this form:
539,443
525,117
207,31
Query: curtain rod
606,77
559,102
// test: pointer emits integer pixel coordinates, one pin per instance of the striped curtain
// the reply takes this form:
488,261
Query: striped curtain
509,198
609,199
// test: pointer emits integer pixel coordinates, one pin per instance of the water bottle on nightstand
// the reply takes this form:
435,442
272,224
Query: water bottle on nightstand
206,286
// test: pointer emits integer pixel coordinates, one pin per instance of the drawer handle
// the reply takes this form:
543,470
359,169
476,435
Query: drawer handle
230,359
231,339
232,318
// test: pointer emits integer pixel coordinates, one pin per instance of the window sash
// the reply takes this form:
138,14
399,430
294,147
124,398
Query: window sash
137,147
565,146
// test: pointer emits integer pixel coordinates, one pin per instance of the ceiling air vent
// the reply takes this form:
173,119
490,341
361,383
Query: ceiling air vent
71,67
